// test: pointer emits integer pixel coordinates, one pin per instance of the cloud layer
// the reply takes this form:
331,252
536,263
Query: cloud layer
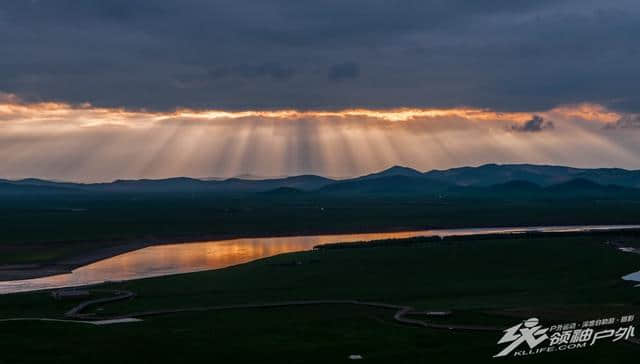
506,55
86,143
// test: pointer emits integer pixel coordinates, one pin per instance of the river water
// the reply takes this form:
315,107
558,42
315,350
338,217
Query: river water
161,260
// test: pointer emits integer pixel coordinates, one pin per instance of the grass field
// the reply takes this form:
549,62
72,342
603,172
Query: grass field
492,282
298,335
42,230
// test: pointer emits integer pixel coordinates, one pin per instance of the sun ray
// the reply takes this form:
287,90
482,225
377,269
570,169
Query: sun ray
90,143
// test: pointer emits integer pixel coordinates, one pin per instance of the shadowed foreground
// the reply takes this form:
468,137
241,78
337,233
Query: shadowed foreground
485,283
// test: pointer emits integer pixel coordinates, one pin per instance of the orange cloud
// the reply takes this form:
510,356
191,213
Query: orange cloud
591,112
82,142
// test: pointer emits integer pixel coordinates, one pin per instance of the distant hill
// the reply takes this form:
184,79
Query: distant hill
517,185
393,171
253,177
282,191
388,185
491,174
8,188
488,180
179,185
305,182
611,176
524,190
42,183
582,186
577,184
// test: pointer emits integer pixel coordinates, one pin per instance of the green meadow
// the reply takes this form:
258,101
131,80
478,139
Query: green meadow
496,282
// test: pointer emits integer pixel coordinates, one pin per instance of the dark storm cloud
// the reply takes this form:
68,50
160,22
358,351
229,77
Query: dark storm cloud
536,124
274,70
234,54
344,71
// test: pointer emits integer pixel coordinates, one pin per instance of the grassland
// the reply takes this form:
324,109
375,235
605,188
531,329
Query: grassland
50,229
494,282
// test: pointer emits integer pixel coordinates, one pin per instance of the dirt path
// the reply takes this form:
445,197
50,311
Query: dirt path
399,316
76,312
95,322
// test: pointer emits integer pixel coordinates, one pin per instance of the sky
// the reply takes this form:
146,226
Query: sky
97,90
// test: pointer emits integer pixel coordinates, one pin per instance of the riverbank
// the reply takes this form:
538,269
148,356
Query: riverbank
96,250
324,241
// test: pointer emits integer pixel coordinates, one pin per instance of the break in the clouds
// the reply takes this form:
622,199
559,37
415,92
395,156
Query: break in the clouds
86,143
505,55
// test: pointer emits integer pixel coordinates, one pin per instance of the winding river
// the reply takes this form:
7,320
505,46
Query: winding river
169,259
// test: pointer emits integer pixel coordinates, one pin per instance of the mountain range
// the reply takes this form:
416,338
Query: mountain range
486,179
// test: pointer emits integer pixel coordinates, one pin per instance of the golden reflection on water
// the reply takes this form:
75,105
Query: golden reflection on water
190,257
161,259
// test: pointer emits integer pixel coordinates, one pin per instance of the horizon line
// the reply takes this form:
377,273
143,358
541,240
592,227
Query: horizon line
336,178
